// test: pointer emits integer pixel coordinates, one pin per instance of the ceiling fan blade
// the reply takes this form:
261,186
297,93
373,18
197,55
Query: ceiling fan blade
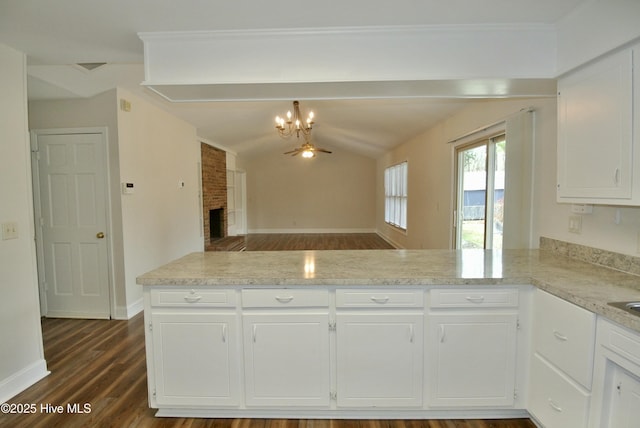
294,151
323,151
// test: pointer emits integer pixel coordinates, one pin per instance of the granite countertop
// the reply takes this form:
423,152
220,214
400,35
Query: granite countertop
587,285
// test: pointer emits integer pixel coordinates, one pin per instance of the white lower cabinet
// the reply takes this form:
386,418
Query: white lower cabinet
283,348
379,359
472,347
195,359
616,385
287,359
286,347
473,359
554,399
562,362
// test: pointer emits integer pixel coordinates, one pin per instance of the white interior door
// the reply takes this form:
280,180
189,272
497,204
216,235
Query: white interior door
72,189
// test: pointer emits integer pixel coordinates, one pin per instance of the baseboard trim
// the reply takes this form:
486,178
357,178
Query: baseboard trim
18,382
130,311
389,240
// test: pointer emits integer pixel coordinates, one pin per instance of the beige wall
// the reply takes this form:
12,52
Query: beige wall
21,354
330,193
431,185
431,176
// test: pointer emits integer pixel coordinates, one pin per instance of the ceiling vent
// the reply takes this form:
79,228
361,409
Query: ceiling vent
90,66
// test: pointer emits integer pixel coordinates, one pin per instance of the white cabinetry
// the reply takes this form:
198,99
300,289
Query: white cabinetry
561,366
379,348
286,347
193,355
597,148
616,386
472,347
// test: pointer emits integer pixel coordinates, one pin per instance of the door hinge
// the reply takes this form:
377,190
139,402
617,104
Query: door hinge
518,324
333,395
150,326
515,393
154,393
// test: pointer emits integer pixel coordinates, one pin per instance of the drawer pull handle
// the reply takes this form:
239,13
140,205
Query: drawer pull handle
192,299
442,333
475,299
554,406
380,300
255,333
560,336
224,333
284,299
411,333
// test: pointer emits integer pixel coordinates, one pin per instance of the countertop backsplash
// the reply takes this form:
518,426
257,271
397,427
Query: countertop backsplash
621,262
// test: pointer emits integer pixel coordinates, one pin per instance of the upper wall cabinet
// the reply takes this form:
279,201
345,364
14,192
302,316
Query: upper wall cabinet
597,148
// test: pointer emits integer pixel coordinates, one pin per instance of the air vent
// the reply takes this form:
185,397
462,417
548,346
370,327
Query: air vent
90,66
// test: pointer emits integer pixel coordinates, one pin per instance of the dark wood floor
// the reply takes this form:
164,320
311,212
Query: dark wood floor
315,241
101,363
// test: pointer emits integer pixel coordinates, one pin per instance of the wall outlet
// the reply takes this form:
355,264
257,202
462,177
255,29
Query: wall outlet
9,230
575,224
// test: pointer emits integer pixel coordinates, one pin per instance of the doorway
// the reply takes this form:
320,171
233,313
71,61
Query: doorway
480,168
69,168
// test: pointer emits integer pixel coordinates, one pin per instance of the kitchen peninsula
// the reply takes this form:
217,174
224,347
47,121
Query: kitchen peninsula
369,334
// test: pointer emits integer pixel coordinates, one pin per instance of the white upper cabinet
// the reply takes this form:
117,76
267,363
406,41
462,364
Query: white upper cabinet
597,148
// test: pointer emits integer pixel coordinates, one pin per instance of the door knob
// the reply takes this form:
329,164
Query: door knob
100,235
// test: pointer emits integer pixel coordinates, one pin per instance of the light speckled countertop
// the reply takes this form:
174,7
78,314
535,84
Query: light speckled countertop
584,284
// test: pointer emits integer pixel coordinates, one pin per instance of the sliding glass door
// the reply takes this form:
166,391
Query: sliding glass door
480,194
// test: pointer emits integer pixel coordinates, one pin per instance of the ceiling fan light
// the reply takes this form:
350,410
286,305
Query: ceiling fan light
308,154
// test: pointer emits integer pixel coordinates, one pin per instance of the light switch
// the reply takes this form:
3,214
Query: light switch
9,230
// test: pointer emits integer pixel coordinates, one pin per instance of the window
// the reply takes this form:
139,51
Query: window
480,195
395,195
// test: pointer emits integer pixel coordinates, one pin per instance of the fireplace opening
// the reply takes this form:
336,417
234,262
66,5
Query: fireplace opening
216,223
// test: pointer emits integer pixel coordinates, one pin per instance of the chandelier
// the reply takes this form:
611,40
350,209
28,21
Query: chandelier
294,125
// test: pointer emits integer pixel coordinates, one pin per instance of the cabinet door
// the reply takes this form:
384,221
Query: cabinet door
287,359
195,359
472,359
624,407
380,359
595,155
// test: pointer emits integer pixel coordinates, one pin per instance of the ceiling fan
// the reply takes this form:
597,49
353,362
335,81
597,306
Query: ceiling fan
308,150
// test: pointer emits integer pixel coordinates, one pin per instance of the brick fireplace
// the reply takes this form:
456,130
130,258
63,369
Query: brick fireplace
214,193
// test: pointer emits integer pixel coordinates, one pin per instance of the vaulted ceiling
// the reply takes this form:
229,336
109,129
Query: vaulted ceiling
57,35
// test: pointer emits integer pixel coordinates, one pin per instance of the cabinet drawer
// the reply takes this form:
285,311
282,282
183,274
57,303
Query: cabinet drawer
554,400
474,297
379,298
619,340
285,297
193,297
565,335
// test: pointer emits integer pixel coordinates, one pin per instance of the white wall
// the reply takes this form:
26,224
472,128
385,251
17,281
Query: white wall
21,354
154,150
160,221
329,193
97,111
616,22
